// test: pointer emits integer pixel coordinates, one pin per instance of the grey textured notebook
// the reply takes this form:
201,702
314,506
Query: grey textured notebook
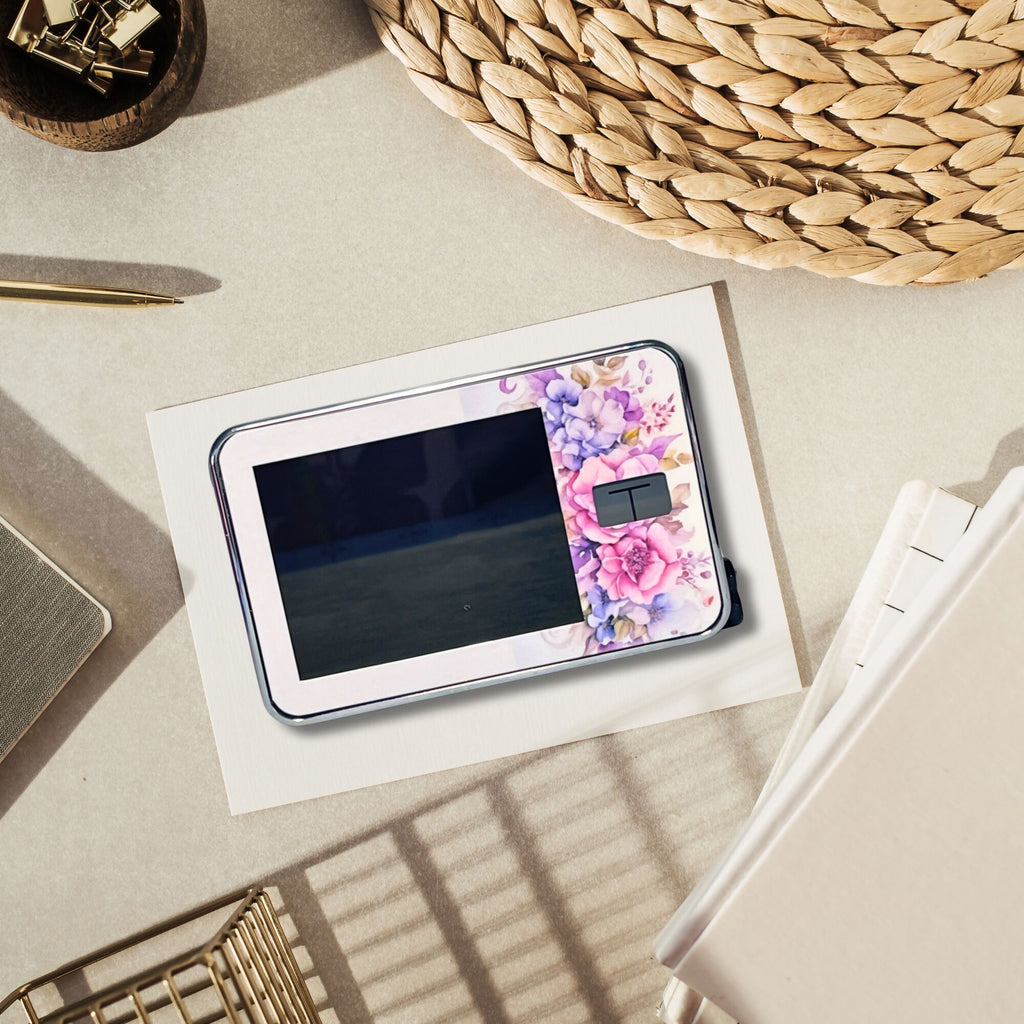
48,627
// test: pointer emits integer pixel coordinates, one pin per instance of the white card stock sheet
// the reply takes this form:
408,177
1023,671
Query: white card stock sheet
266,764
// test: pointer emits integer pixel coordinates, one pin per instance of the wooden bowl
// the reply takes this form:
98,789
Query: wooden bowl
55,107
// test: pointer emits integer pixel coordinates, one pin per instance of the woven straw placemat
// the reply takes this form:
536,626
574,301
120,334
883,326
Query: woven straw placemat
873,139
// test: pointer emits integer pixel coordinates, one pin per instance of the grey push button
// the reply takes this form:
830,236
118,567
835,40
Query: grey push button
639,497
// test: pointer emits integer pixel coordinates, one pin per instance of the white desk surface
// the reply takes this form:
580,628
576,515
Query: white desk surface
315,210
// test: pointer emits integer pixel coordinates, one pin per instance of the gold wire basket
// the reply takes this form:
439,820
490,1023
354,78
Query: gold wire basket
246,974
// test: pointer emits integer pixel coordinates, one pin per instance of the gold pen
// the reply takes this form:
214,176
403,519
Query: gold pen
31,291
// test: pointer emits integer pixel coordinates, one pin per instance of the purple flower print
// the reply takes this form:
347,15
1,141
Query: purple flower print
559,394
541,378
670,615
602,615
585,562
534,385
657,446
631,408
592,426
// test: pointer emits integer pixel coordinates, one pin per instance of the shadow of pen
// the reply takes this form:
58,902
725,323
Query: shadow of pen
142,277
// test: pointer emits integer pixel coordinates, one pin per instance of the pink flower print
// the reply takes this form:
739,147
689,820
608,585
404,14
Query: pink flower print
579,490
659,416
696,569
639,565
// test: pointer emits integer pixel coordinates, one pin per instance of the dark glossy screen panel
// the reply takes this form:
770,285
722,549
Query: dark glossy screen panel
419,543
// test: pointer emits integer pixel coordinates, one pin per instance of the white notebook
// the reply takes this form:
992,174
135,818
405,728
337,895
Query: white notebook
925,525
880,878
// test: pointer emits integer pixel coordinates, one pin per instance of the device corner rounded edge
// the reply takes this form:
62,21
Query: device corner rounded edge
666,349
278,713
217,449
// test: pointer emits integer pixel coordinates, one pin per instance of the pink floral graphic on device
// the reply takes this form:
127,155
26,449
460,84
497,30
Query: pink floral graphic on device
641,564
614,419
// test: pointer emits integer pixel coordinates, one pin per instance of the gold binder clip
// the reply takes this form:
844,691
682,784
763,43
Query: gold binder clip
95,40
29,25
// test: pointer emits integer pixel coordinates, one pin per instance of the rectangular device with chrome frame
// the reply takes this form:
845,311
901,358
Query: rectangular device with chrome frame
471,533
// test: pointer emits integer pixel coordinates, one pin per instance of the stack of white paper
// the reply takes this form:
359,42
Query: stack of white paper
878,878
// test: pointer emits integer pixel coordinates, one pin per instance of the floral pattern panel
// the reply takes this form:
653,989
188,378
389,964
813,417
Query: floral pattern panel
611,419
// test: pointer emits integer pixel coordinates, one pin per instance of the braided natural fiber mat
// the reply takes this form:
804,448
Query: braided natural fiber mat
874,139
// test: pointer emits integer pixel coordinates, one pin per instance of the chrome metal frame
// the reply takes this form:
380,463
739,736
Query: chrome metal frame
463,686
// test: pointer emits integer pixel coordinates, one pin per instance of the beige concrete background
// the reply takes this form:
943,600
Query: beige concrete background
316,210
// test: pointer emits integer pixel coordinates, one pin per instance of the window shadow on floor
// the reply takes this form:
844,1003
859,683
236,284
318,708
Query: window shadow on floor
535,892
